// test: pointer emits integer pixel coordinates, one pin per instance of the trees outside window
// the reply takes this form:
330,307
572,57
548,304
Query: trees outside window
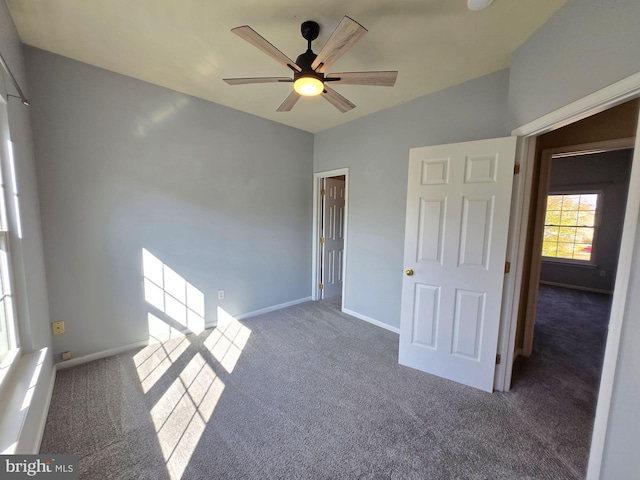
570,226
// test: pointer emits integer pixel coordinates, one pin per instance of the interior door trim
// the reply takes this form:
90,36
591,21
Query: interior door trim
613,95
315,245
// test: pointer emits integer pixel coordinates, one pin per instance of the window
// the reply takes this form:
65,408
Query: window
570,226
8,338
6,310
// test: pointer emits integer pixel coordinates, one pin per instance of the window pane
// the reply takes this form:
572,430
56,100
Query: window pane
565,250
570,202
551,234
582,251
587,218
4,268
553,217
4,344
4,337
567,234
554,202
549,249
569,217
3,316
588,202
584,235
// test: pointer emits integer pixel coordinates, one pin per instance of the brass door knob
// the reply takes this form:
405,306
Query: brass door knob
409,272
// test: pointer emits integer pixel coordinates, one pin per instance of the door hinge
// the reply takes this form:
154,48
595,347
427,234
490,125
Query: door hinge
516,169
321,286
498,359
321,240
507,267
323,192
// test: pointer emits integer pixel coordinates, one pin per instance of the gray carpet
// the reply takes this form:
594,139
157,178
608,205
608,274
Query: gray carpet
306,392
558,385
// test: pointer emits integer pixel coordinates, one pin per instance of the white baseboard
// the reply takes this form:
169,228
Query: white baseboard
143,343
273,308
103,354
576,287
377,323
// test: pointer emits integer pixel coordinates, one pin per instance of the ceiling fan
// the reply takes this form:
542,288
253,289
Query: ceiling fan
309,70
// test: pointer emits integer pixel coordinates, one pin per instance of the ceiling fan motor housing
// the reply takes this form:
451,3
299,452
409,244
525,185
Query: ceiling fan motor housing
304,61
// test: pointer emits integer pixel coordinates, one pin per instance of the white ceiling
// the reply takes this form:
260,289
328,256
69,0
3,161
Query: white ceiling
187,45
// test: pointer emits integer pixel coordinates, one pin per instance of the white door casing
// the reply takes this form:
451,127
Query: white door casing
610,96
333,234
458,202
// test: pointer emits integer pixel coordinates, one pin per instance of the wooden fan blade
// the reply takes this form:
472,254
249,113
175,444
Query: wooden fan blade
337,100
245,81
378,79
289,102
258,41
346,34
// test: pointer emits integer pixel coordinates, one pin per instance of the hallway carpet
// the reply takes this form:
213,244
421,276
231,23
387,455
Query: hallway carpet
558,385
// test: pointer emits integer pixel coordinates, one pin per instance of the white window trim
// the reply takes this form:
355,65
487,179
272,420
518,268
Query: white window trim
11,358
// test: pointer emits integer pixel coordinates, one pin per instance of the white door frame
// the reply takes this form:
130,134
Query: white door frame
608,97
317,205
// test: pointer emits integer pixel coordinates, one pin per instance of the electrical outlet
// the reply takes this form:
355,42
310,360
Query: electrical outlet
220,294
603,273
58,327
66,355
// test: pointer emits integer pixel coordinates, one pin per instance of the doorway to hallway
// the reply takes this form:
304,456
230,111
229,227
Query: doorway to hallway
329,237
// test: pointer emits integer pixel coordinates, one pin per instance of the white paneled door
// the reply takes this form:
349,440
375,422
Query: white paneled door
458,203
333,200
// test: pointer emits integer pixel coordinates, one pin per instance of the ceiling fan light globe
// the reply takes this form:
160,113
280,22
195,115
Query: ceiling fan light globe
475,5
308,86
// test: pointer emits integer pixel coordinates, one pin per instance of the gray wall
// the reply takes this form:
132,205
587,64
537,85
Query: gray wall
125,165
221,197
30,289
376,150
585,46
588,45
609,173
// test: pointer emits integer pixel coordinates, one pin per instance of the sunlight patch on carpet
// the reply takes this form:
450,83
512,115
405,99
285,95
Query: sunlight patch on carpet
182,413
227,341
152,362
